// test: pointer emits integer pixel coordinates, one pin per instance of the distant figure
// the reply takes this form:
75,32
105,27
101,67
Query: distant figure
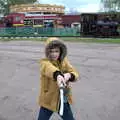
8,23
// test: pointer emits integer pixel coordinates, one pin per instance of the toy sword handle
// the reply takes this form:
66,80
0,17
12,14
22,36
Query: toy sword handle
61,100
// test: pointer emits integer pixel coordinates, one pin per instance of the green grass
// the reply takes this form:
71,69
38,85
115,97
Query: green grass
93,40
72,39
23,39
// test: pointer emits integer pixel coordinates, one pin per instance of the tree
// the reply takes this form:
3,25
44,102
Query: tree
111,5
5,4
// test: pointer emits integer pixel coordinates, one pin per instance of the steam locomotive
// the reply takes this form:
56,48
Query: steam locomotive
100,24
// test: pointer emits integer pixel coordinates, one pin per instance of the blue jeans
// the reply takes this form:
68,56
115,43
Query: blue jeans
45,114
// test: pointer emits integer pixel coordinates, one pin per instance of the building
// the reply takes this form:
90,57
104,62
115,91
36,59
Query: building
71,20
39,14
38,9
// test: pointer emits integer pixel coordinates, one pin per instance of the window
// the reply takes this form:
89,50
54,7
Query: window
17,18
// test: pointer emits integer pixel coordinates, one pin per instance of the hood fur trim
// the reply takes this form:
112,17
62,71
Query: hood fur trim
53,43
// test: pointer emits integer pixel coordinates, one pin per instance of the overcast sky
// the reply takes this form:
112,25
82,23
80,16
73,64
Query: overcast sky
79,5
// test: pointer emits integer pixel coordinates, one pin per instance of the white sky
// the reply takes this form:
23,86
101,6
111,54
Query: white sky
80,5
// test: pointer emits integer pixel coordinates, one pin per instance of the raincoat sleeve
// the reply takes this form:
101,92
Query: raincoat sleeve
70,69
48,69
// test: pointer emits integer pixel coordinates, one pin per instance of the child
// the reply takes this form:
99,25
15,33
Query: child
55,69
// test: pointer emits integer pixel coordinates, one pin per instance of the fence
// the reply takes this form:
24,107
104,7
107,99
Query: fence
36,32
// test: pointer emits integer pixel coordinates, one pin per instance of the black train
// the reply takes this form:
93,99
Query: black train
99,25
107,27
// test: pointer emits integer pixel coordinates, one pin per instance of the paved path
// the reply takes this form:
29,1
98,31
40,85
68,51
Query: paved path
96,95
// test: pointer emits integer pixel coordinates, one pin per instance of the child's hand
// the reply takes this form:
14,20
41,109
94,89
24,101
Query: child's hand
60,80
67,76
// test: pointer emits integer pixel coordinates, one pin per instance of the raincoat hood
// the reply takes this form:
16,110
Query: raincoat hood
54,42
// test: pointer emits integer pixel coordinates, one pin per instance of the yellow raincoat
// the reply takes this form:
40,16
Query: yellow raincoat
49,91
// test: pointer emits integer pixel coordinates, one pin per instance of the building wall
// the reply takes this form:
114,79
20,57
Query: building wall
69,19
41,8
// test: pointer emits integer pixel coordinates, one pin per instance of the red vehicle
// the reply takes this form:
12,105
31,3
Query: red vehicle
34,20
14,20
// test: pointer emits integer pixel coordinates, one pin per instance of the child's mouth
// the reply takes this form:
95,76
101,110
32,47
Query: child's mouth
55,57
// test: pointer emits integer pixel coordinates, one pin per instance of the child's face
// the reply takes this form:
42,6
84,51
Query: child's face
54,53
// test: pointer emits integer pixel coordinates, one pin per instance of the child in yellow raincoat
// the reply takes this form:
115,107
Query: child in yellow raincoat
55,69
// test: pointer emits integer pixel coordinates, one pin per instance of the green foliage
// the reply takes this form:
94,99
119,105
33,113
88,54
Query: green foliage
111,5
13,2
5,4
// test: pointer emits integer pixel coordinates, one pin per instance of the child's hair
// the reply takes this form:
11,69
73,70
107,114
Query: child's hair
56,43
